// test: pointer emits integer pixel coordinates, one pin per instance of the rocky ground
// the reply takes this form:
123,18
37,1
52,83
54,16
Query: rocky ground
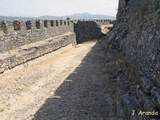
25,88
68,84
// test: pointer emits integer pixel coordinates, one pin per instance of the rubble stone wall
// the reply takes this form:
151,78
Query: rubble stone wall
18,33
89,30
21,41
136,38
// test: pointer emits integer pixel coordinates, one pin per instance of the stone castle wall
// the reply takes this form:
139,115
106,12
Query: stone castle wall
136,39
21,41
18,33
89,30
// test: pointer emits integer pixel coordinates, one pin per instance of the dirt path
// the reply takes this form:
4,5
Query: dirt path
63,85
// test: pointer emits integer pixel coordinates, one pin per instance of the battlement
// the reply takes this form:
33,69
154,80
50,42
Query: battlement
98,21
21,41
8,27
14,34
17,33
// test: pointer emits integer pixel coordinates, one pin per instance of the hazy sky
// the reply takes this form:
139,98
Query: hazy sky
56,7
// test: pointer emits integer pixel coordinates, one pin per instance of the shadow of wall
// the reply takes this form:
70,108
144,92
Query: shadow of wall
82,96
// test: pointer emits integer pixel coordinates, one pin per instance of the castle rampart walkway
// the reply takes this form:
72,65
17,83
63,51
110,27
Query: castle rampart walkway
64,78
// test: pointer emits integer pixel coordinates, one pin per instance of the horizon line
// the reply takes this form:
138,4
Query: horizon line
56,15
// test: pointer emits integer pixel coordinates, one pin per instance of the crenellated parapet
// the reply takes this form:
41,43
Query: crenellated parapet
21,41
9,27
98,21
103,22
59,26
17,33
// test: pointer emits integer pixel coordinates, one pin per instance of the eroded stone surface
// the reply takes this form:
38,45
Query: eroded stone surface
136,36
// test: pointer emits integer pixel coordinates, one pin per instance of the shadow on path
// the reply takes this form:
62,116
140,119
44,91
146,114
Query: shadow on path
82,96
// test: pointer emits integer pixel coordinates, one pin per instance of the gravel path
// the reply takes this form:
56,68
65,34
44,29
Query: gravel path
83,94
64,85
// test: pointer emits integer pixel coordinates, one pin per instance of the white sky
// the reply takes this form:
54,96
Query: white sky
57,7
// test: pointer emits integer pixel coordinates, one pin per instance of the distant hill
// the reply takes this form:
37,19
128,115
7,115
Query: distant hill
9,18
80,16
90,16
74,16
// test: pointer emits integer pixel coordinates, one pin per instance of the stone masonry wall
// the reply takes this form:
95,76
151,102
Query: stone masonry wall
133,47
89,30
18,33
21,41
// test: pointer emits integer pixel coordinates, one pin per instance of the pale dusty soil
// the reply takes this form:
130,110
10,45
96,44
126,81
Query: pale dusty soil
68,84
25,88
